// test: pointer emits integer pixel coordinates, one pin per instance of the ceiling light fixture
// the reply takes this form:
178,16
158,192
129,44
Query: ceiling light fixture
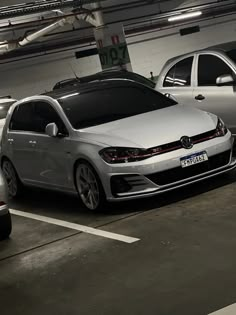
184,16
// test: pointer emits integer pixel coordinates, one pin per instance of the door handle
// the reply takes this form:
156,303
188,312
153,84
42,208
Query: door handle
200,97
32,142
10,141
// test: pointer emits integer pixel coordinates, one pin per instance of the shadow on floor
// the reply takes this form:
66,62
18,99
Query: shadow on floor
38,200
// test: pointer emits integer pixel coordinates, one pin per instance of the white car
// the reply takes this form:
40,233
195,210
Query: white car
204,79
5,104
111,140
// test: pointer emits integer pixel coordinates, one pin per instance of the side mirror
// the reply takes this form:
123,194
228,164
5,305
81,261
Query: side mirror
171,97
224,79
51,130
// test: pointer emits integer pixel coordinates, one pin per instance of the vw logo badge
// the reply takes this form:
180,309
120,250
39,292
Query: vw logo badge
186,142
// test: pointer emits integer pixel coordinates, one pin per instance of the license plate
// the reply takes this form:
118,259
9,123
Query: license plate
193,159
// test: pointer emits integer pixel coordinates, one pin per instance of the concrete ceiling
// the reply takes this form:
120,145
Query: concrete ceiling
148,10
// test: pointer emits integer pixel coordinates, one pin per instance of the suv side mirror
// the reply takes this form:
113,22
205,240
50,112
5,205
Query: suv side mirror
224,79
51,130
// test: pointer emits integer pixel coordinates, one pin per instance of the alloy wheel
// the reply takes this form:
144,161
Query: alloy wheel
10,176
88,186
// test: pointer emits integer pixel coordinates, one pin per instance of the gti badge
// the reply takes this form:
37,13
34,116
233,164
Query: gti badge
186,142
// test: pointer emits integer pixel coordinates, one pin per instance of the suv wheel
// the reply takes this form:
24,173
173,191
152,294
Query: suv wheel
89,186
13,182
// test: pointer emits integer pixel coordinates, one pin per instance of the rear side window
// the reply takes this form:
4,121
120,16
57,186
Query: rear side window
210,68
180,74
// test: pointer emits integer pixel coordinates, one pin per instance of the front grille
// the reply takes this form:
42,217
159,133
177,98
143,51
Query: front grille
179,173
176,145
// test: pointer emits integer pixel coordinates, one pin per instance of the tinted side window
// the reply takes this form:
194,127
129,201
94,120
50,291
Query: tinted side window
35,116
179,74
45,114
210,68
22,118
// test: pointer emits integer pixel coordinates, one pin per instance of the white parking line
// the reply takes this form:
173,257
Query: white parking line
77,227
229,310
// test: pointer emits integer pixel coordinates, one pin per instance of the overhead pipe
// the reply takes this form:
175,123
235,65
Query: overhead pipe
9,46
121,7
6,46
42,6
93,20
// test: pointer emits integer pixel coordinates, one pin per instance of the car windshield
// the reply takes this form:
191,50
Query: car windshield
105,105
232,54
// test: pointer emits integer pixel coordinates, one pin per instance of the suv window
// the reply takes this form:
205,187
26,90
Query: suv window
45,114
180,74
22,118
210,68
231,54
34,116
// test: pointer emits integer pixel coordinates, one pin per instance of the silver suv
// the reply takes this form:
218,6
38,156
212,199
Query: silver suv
205,79
111,140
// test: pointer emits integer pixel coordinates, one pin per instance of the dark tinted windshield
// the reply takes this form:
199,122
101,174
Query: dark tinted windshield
232,54
109,104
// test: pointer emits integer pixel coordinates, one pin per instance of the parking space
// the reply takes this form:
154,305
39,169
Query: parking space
108,100
184,256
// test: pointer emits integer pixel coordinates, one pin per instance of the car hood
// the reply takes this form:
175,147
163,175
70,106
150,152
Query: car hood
153,128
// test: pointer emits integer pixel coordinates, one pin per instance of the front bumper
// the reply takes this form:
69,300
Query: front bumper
163,173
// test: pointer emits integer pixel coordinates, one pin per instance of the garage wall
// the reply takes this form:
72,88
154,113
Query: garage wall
148,52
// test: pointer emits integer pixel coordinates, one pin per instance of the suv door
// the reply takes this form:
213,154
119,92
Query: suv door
51,154
39,159
17,143
178,81
220,100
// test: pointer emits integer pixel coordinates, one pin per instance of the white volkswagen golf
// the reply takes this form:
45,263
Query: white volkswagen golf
111,140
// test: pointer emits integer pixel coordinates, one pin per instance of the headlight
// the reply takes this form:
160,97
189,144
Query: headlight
114,155
221,129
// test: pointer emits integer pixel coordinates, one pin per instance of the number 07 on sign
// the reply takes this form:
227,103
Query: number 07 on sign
112,47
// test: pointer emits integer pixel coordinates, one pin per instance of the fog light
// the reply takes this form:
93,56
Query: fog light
119,185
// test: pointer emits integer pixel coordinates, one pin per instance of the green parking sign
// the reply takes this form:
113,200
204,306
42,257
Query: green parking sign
115,55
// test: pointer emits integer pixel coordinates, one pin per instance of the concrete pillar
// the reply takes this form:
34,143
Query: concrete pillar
112,47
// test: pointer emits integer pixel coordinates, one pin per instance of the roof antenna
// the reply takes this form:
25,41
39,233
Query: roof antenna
74,73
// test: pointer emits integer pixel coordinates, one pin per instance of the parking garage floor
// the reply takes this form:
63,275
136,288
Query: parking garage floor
180,259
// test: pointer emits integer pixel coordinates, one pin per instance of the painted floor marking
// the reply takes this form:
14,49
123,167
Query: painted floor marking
77,227
229,310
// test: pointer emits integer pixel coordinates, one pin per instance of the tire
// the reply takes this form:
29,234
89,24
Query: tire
15,186
89,187
5,226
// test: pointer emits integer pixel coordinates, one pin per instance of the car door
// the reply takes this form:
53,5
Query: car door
51,155
19,140
220,100
178,81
